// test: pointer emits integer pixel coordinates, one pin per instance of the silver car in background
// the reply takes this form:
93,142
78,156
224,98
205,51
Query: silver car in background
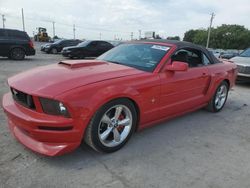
243,64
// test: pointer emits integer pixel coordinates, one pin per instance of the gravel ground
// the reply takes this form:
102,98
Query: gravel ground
198,150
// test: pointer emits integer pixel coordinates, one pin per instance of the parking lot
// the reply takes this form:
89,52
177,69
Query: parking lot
200,149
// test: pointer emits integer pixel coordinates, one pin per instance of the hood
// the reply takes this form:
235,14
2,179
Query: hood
45,44
52,80
241,60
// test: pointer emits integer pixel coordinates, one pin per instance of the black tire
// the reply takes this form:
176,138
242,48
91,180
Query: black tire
212,107
92,137
17,54
81,56
53,51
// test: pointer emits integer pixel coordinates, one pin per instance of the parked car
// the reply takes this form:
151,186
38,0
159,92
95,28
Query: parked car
52,109
15,44
57,46
215,53
243,63
44,45
228,55
89,48
115,42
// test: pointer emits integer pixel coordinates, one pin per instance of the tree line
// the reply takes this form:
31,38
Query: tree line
222,37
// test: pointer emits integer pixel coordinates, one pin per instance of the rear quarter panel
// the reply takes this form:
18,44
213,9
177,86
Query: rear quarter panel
219,72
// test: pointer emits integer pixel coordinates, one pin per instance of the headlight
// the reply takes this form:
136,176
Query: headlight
54,107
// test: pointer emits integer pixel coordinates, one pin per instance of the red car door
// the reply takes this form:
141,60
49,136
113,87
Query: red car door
183,91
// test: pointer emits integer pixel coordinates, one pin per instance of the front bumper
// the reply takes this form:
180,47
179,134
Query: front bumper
67,54
243,77
25,125
47,50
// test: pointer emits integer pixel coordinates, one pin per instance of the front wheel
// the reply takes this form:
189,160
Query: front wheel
219,99
112,126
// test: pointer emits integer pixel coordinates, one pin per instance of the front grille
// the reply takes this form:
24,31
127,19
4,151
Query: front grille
243,69
23,98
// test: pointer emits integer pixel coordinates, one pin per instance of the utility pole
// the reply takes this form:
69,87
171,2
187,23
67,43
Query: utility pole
132,35
53,23
3,18
74,31
100,36
139,34
209,29
23,20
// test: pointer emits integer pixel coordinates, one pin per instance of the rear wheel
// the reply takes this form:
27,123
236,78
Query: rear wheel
54,51
219,99
17,54
112,126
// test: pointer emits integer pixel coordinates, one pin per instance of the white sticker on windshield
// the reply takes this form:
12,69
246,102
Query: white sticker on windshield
158,47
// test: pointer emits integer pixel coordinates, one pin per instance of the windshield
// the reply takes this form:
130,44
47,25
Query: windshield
141,56
84,44
58,41
245,53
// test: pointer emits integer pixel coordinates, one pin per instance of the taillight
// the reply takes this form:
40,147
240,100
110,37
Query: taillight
31,44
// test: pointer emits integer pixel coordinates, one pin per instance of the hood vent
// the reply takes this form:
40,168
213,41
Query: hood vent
81,63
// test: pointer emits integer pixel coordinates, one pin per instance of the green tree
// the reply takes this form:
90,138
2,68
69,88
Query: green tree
224,37
189,35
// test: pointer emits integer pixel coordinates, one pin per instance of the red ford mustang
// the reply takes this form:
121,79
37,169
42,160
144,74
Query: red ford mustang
52,109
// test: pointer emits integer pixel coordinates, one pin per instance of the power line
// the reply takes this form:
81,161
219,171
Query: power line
53,23
139,34
74,31
23,20
94,29
4,19
209,29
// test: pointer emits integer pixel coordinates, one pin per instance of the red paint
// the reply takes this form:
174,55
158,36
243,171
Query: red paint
177,66
84,86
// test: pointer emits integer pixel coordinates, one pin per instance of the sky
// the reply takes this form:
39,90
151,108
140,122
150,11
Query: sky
109,19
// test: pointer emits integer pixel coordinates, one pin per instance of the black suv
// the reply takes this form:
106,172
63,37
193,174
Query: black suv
15,44
57,46
89,48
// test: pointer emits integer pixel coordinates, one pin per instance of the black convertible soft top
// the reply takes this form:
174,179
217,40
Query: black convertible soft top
184,44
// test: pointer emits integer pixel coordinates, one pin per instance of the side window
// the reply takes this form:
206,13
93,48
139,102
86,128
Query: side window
93,44
191,56
64,43
206,61
17,34
74,42
103,45
2,33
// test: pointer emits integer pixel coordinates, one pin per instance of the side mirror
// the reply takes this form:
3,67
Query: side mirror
177,66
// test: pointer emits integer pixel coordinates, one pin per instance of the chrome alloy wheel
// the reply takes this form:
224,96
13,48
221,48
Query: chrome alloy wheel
221,96
115,125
